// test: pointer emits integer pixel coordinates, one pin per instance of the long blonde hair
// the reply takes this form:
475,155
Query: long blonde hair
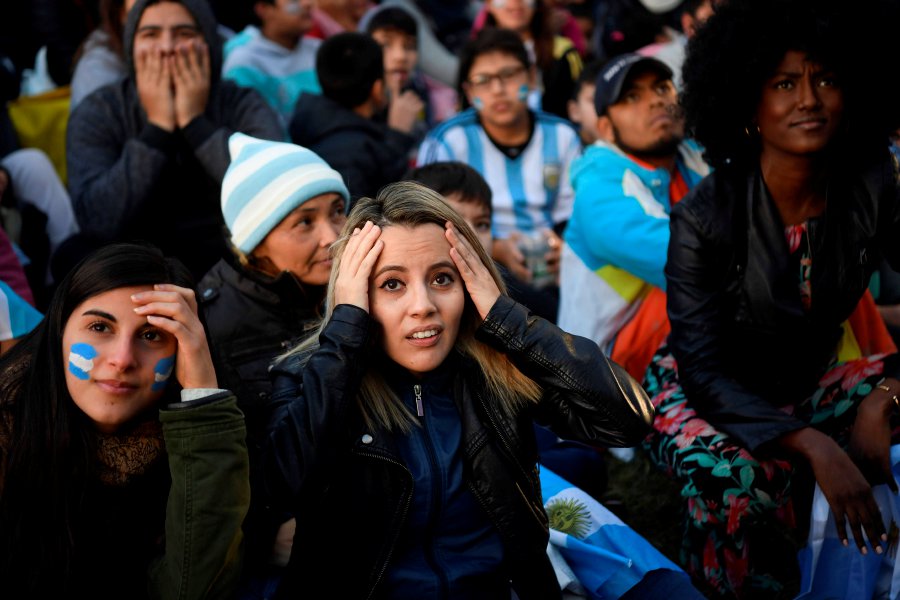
411,204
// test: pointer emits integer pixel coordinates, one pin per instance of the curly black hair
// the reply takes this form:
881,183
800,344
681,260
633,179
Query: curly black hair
741,45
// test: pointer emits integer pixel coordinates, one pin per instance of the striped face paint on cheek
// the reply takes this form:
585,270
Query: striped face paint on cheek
161,373
81,360
523,92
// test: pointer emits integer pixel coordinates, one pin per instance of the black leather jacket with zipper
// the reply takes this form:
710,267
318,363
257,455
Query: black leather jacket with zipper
350,491
744,345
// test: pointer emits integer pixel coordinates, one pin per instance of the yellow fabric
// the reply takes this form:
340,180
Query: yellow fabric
865,333
626,285
562,45
40,122
848,348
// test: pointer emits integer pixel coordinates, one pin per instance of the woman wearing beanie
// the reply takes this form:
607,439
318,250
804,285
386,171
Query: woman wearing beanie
284,207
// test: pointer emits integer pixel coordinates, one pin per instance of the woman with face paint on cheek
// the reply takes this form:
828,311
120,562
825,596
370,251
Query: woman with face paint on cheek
100,451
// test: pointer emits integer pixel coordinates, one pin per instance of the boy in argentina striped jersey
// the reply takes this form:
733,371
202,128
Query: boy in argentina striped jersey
524,155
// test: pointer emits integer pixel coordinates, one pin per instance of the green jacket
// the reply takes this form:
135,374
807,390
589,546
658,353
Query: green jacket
209,497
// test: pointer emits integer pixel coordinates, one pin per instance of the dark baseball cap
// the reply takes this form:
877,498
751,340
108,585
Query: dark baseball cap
612,77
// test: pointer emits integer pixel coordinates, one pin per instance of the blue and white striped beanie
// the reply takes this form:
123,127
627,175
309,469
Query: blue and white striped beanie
266,181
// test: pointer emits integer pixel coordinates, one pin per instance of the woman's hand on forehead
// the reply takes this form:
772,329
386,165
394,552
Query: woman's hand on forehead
478,279
174,310
360,255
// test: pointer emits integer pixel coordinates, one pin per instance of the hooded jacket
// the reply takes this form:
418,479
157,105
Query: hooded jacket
131,180
367,154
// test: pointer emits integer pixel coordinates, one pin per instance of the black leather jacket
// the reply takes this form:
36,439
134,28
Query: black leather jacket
349,489
743,343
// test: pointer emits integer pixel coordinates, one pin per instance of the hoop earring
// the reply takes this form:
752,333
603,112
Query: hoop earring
749,133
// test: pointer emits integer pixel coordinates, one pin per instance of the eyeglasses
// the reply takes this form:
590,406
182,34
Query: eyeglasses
504,76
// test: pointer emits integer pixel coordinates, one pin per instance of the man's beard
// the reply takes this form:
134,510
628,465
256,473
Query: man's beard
663,148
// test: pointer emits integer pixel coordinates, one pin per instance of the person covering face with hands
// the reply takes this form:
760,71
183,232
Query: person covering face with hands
171,66
146,155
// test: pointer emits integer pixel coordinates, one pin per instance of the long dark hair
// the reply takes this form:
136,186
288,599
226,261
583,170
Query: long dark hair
111,13
542,34
48,455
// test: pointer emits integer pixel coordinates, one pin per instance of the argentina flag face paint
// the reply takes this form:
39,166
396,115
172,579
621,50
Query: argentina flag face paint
81,360
523,92
162,372
117,363
498,86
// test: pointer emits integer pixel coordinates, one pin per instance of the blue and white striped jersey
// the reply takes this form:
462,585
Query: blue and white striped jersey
531,191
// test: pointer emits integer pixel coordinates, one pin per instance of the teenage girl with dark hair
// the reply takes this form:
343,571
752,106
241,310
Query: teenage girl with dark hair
111,486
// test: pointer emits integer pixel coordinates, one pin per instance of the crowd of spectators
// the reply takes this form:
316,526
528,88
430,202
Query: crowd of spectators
669,225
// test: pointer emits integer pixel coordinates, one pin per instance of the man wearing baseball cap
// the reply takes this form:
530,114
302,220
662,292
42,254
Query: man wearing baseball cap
612,284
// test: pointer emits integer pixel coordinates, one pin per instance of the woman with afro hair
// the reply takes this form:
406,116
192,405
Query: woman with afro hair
778,372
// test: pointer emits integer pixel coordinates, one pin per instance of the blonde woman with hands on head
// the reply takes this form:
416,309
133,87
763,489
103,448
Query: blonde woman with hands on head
406,427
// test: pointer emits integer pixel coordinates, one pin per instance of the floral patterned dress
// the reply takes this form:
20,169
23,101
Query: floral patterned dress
739,529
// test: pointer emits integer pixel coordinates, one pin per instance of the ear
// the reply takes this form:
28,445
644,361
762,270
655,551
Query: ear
605,129
687,24
467,90
572,111
378,95
260,9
